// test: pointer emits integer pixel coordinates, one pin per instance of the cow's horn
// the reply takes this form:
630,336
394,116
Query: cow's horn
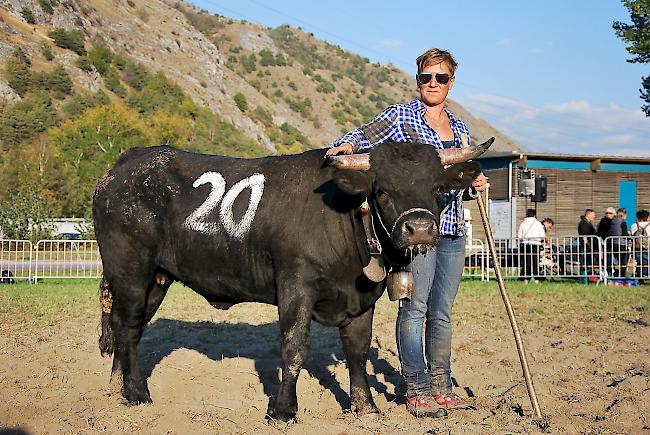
449,156
358,162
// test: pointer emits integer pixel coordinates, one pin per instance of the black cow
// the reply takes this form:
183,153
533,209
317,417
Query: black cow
281,230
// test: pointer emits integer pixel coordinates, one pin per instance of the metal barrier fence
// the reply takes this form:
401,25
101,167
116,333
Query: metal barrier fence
15,259
627,257
67,259
577,257
475,259
586,258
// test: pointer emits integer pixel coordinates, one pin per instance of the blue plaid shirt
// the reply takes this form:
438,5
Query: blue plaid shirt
406,123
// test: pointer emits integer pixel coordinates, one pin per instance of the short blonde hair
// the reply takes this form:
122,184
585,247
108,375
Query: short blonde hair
434,56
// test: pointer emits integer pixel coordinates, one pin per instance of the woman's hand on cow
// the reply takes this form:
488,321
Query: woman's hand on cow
344,148
481,182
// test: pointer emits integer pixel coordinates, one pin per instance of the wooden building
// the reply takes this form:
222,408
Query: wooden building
574,183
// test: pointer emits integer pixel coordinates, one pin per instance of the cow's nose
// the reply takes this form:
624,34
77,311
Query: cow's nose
419,231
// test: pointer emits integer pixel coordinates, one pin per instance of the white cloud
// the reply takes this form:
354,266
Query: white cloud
504,42
390,43
571,127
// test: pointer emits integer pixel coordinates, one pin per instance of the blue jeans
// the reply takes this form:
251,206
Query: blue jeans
437,276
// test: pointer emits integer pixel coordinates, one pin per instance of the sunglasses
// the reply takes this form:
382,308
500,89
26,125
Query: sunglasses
425,77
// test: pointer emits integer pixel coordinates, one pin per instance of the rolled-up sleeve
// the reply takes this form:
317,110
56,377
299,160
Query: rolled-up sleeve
377,131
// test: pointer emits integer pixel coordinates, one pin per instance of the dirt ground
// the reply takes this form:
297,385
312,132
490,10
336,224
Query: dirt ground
212,371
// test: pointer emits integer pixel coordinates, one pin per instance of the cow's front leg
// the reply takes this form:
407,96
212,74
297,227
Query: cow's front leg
295,317
356,338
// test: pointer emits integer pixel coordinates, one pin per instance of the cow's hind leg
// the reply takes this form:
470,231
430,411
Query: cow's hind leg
355,338
129,316
295,317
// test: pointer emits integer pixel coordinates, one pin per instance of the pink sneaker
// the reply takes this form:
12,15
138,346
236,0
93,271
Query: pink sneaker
424,406
451,401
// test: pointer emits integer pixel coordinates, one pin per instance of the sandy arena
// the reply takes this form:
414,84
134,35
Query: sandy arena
213,371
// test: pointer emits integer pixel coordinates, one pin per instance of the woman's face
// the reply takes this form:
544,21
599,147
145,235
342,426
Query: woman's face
433,93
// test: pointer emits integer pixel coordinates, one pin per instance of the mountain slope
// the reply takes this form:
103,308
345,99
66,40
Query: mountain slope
256,78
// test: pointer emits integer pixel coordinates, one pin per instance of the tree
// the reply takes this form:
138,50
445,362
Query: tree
19,72
72,40
25,119
90,145
637,36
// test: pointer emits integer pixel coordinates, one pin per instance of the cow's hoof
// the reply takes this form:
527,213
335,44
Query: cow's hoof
137,396
369,410
362,408
286,417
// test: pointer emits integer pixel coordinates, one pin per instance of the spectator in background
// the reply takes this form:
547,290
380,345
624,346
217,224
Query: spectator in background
587,250
549,260
617,245
605,222
641,232
531,233
548,224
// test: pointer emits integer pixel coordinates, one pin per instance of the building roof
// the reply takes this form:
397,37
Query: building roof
521,155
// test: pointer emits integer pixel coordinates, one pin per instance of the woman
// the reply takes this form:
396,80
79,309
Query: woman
427,371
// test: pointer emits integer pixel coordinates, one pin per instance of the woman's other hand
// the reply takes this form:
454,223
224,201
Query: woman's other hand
480,184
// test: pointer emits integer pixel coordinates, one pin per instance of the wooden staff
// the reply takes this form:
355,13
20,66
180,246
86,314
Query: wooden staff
511,313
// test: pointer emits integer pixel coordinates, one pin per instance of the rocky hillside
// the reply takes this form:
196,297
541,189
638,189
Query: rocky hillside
265,82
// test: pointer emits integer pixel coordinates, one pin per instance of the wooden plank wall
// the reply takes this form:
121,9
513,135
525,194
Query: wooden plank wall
569,193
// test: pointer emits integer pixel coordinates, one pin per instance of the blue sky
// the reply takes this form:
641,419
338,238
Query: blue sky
551,75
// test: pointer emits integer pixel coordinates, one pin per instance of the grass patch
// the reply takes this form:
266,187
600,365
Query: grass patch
47,302
51,301
623,303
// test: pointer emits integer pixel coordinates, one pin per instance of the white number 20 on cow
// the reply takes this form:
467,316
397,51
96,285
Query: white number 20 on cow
197,220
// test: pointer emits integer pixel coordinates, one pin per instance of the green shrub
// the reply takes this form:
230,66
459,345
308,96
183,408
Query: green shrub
280,60
263,115
19,72
47,51
112,82
101,57
256,84
78,104
249,62
71,40
46,6
325,87
58,81
159,93
135,75
302,106
83,63
266,57
240,101
120,61
27,118
28,15
290,138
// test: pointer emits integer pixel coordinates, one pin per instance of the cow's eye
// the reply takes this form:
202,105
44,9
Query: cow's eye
382,195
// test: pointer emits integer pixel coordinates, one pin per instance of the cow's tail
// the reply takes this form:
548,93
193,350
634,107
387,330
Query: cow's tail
106,302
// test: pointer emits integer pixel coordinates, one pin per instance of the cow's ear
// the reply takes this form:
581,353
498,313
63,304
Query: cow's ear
460,175
353,182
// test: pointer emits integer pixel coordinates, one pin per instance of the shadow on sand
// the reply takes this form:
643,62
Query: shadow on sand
260,343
